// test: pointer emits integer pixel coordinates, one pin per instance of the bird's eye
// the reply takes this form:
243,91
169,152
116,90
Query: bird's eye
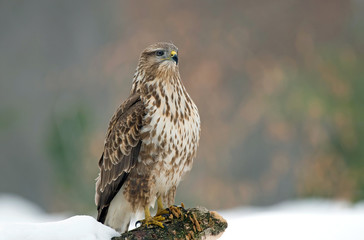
159,53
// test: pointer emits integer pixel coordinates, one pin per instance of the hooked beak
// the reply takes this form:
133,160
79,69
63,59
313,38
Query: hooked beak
174,56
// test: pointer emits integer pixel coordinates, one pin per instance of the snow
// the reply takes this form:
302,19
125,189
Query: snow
77,227
301,219
20,219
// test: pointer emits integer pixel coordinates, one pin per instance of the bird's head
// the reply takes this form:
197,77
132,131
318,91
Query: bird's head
160,56
157,63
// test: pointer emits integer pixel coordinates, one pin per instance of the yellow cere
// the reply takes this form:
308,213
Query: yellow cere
173,53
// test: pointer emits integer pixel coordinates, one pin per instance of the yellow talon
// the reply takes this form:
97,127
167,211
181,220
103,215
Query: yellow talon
159,218
172,210
152,221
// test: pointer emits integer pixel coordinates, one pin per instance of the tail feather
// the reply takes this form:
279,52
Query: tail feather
101,214
118,214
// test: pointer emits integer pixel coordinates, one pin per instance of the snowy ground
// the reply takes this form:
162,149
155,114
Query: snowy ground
20,219
302,219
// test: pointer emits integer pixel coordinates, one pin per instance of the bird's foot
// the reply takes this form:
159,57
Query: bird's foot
162,212
172,212
156,221
163,215
159,218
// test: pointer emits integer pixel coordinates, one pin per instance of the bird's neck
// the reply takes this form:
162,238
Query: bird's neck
164,79
163,89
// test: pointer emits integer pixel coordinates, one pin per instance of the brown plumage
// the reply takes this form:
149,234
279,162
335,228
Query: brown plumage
150,143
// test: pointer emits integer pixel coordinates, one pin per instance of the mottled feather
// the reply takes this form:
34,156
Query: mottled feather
151,141
121,150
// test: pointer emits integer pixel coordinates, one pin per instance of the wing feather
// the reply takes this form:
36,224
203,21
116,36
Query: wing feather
121,150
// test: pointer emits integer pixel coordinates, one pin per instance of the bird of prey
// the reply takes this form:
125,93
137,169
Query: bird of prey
150,143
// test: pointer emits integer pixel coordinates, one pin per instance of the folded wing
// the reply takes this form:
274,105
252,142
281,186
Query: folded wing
121,150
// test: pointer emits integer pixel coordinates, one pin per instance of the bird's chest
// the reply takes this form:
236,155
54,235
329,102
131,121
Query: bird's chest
173,134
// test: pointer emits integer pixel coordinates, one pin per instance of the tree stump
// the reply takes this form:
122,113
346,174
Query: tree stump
193,223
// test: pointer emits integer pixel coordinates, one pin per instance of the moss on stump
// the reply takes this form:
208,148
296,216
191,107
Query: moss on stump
193,223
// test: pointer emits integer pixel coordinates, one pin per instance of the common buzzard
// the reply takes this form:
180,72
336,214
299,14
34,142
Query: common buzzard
150,143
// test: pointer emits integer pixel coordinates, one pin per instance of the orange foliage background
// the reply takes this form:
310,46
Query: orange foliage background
277,84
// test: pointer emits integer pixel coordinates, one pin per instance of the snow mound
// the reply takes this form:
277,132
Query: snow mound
21,219
77,227
299,220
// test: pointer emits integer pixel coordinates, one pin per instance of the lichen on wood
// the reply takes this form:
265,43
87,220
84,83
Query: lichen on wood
193,223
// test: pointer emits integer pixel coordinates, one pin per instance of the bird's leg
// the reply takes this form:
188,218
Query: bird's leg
161,210
151,221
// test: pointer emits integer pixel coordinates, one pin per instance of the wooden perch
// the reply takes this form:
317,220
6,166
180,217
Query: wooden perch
194,223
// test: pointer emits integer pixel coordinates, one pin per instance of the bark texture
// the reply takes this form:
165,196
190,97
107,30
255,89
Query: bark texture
194,223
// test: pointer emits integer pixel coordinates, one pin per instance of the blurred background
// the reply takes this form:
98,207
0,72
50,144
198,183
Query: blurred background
279,86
